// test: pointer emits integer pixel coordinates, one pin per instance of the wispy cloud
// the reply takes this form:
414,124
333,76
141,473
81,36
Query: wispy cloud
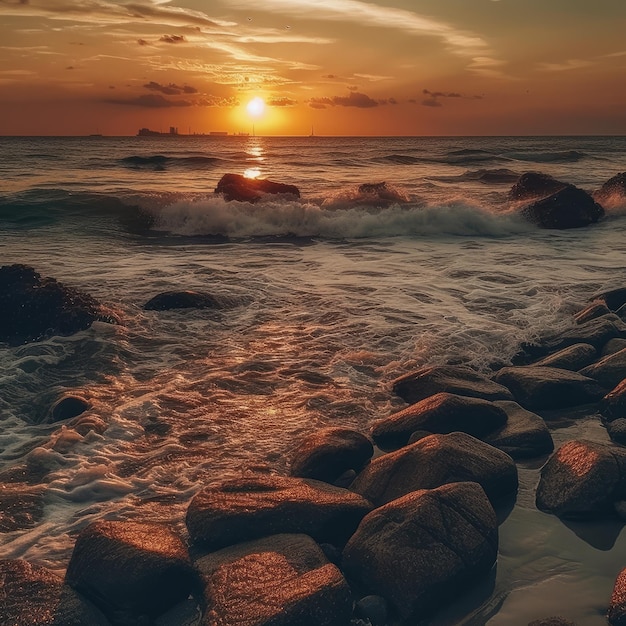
150,101
570,64
354,99
171,89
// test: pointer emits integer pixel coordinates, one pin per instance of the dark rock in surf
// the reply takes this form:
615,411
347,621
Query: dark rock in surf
614,298
434,461
237,187
582,479
441,413
249,508
533,185
613,189
593,311
21,506
31,595
569,207
380,194
132,571
552,621
537,388
421,550
181,300
33,308
276,581
329,453
525,434
67,407
617,608
613,405
572,358
427,381
608,371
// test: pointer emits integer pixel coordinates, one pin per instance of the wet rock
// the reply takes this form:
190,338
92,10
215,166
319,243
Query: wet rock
21,506
525,434
617,608
31,595
434,461
181,300
569,207
617,430
427,381
275,581
582,479
592,312
613,298
420,551
33,308
613,189
380,194
329,453
613,405
372,609
237,187
249,508
612,346
132,571
609,371
551,621
537,388
535,185
67,407
572,358
442,413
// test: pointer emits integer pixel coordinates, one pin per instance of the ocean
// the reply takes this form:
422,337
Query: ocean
326,298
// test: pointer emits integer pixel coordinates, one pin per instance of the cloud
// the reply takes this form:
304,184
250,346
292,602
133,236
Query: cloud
142,42
432,99
216,101
171,89
281,102
354,99
431,102
150,101
571,64
173,39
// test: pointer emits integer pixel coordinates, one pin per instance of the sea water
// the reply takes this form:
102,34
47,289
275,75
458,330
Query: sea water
326,299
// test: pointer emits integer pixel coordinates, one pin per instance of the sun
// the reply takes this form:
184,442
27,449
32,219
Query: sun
256,107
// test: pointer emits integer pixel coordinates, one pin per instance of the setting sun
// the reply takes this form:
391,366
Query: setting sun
256,107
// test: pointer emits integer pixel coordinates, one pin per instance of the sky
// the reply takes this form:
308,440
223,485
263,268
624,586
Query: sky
334,67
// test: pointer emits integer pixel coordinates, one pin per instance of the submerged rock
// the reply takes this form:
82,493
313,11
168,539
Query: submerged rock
329,453
21,506
181,300
237,187
428,381
279,580
582,479
420,551
34,308
537,388
434,461
442,413
132,571
249,508
535,185
31,595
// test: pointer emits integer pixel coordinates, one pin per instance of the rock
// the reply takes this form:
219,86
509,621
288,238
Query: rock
442,413
613,405
537,388
31,595
609,371
249,508
275,581
329,453
617,607
427,381
417,435
181,300
67,407
237,187
571,358
613,298
373,609
21,506
132,571
33,308
434,461
592,312
582,479
613,190
569,207
552,621
535,185
420,551
612,346
525,434
617,430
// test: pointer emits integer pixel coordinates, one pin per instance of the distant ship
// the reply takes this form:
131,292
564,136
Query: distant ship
146,132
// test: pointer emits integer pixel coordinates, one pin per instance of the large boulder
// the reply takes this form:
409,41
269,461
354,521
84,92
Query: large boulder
132,571
569,207
238,187
33,308
613,190
613,298
442,413
329,453
609,371
31,595
571,358
613,405
592,312
533,185
582,479
434,461
420,551
537,388
525,434
181,300
617,608
427,381
274,581
249,508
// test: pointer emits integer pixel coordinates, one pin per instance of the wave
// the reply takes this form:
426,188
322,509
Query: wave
487,176
161,161
567,156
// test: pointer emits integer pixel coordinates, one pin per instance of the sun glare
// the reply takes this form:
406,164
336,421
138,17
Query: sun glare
256,107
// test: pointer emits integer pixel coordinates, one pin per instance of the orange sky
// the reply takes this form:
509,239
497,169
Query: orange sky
346,67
